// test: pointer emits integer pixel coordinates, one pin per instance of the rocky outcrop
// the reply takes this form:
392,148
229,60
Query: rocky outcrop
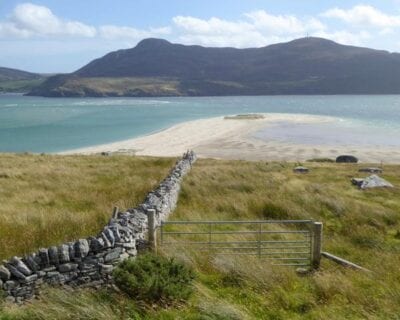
370,182
90,261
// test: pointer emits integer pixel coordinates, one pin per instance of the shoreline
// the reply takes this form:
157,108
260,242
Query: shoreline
234,139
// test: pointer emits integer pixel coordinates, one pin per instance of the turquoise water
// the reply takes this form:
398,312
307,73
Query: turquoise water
55,124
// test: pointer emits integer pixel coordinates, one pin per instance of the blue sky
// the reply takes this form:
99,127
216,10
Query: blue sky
61,36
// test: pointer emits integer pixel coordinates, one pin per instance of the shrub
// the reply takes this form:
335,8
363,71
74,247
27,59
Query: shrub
152,278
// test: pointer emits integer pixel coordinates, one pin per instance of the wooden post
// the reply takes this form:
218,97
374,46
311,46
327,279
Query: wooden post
151,220
316,244
115,213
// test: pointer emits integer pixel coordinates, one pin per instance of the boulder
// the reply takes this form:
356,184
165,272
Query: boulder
346,159
370,182
21,267
301,169
63,253
4,273
371,170
81,248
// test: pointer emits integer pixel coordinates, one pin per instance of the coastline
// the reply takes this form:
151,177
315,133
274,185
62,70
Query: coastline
234,139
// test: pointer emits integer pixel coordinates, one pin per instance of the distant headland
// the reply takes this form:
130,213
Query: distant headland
156,67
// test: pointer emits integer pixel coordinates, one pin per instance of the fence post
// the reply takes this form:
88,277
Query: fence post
151,220
115,213
317,244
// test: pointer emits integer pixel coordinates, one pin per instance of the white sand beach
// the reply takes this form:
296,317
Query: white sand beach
233,139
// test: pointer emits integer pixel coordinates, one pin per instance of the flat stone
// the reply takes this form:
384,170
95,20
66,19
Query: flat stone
113,254
63,253
5,274
106,268
81,248
346,159
301,169
67,267
371,170
30,279
71,249
375,181
21,267
15,272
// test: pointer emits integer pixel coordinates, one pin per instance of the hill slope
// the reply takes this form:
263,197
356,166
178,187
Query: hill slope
13,80
302,66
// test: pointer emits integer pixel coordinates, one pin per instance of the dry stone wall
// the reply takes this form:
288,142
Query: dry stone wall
90,261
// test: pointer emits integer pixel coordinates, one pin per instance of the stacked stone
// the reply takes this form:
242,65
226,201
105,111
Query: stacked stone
90,262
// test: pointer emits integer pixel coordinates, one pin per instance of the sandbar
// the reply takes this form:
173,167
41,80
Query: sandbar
234,138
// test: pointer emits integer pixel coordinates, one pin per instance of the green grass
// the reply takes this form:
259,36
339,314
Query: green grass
48,199
19,85
361,226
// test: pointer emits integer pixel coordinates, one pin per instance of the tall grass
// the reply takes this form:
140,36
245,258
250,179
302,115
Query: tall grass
362,226
48,199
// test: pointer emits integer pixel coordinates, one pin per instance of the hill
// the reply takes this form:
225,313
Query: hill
13,80
157,67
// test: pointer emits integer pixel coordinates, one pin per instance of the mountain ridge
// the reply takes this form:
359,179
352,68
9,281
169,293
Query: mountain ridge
301,66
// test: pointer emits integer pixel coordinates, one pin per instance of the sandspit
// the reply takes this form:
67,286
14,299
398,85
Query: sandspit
232,138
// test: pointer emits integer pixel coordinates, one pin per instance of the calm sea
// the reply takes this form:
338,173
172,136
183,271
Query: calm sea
55,124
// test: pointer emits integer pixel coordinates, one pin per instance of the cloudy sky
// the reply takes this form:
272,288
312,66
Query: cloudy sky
61,36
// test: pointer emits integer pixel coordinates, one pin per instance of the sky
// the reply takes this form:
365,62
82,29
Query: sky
50,36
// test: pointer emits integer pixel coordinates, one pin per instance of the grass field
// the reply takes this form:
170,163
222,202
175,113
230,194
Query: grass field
47,200
362,226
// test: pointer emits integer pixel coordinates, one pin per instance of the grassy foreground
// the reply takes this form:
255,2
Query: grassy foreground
362,226
47,199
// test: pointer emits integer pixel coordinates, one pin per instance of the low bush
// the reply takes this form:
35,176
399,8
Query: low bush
154,279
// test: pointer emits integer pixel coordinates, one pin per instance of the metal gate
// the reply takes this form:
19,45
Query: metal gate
283,242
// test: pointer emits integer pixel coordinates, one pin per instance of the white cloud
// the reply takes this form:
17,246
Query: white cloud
365,16
283,24
29,20
345,37
111,32
260,28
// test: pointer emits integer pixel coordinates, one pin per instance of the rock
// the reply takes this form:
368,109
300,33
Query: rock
110,236
53,256
15,272
81,248
113,254
10,284
301,169
375,181
31,263
106,268
96,244
21,267
71,249
30,279
5,274
371,170
63,253
67,267
357,181
44,258
346,159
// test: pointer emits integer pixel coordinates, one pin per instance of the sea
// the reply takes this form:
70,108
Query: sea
36,124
